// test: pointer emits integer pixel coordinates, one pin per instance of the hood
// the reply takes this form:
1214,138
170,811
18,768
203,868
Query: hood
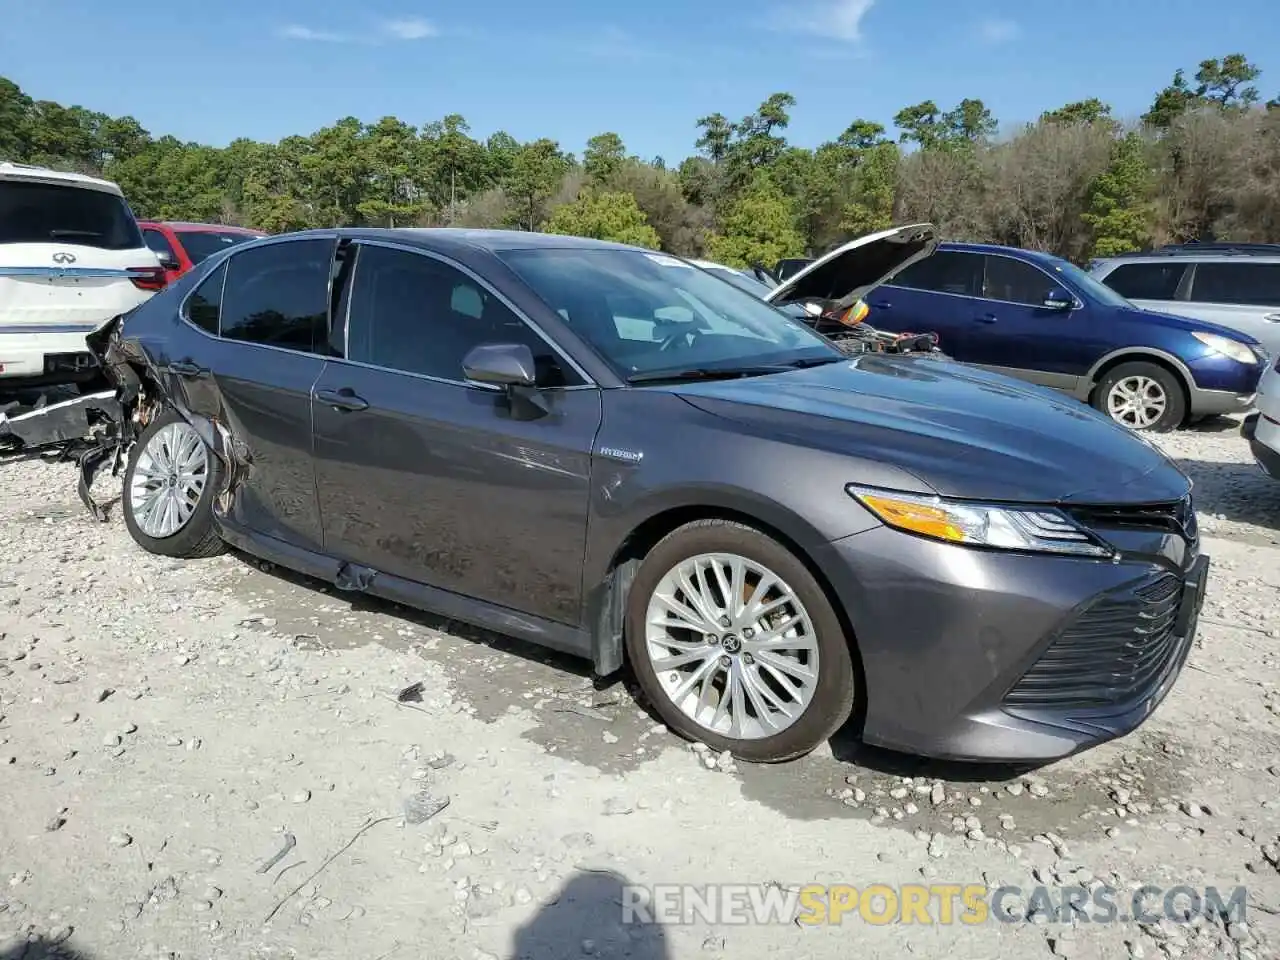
959,430
1190,325
847,273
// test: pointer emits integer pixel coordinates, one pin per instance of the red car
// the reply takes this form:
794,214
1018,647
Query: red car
180,246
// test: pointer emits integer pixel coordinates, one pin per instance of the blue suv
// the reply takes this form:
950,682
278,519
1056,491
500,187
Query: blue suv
1040,318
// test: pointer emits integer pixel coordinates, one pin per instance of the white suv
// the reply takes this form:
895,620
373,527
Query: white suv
71,258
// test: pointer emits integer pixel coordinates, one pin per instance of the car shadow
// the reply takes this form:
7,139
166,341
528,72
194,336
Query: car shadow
847,747
586,917
1240,492
43,949
1217,423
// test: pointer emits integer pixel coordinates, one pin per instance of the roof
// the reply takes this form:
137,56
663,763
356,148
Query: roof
26,171
184,226
993,248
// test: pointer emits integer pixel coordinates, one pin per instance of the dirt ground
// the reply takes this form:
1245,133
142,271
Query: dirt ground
168,728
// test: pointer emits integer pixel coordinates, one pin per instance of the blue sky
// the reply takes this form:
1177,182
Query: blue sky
568,69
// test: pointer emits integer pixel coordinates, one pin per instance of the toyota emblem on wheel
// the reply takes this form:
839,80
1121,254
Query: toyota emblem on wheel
64,257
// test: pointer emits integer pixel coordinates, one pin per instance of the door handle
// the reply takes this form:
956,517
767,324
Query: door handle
185,368
881,304
1272,318
987,318
342,399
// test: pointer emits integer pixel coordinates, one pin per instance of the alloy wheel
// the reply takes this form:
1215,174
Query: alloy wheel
1137,402
168,479
732,646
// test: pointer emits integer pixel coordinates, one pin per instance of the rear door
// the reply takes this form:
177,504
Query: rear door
250,350
428,477
71,257
939,294
1241,294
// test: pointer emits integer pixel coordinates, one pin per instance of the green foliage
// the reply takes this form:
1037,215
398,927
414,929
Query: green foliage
1076,182
759,227
1120,200
604,216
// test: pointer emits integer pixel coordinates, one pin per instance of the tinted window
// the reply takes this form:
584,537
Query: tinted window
414,313
1146,281
202,244
51,213
278,295
158,242
1015,281
205,303
944,272
1254,284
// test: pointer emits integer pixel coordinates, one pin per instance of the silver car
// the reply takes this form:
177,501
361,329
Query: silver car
1234,285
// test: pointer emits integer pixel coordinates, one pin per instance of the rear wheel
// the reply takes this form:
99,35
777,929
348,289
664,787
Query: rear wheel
169,486
736,645
1142,396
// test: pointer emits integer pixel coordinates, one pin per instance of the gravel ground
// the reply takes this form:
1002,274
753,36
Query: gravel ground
168,728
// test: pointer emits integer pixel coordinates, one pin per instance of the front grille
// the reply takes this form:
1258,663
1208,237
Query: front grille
1110,655
1173,516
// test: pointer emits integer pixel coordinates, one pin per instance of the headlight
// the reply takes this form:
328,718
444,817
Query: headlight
1038,529
1233,349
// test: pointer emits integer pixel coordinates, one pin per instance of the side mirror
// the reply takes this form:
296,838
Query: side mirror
1059,299
500,365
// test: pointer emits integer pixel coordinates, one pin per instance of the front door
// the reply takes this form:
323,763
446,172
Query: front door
1014,333
425,476
263,314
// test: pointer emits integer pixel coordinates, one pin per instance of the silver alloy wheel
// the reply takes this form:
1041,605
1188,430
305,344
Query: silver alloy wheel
732,646
1137,402
168,479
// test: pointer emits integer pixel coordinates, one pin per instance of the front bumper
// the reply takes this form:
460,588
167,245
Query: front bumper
994,656
1263,435
1209,403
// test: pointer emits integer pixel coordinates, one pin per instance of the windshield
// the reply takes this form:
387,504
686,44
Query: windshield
58,213
648,312
201,244
1089,284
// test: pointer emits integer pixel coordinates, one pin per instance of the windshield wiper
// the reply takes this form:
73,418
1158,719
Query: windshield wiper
708,373
806,362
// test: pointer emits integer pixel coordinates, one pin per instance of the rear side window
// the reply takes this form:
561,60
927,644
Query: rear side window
278,295
1251,284
947,271
1015,281
158,242
204,306
202,244
53,213
1146,281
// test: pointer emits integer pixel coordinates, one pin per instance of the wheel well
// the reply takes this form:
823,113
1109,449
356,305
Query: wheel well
1151,358
648,534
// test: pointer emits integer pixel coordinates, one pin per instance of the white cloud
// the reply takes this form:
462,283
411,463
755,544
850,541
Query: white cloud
296,31
997,30
410,28
834,19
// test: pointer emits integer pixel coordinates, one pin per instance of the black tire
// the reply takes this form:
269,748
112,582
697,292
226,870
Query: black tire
1175,411
833,699
198,538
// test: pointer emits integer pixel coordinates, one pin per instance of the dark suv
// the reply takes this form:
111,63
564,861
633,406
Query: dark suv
1039,318
611,452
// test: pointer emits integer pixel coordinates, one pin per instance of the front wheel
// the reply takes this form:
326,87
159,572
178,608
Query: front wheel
1142,396
169,486
736,644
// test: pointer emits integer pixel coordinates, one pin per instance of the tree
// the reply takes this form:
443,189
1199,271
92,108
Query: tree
456,165
604,216
1119,200
1088,111
1228,82
603,156
536,169
717,134
759,227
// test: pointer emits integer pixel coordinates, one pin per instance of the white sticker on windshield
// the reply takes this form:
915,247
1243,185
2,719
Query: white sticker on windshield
663,261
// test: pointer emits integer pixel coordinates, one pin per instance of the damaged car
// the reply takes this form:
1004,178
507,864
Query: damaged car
607,451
